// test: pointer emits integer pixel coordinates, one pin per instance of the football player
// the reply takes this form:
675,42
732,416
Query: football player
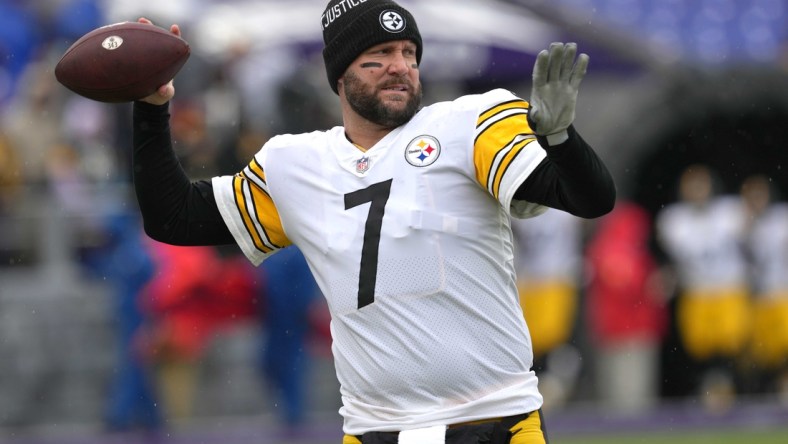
403,215
766,241
702,235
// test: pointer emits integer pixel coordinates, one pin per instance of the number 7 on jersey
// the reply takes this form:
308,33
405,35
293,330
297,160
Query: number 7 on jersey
377,195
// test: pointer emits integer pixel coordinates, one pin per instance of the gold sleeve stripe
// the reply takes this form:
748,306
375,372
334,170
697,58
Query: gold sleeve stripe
257,168
508,157
239,185
268,218
255,173
501,107
496,136
259,215
488,160
503,125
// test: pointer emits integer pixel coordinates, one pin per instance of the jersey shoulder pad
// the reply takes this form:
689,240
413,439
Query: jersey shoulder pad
488,100
302,139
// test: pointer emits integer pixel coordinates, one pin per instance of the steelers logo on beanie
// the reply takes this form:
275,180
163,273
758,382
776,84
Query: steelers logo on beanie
352,26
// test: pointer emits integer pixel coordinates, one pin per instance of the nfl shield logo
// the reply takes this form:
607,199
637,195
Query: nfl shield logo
362,165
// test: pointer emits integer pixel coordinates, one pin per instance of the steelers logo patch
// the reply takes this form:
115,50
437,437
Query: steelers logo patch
423,151
392,21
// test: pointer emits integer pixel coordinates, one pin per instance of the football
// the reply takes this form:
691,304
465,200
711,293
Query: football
122,62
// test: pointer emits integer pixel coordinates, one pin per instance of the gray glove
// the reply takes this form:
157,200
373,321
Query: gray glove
556,80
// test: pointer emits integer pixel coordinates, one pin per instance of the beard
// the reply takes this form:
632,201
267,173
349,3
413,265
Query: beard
366,103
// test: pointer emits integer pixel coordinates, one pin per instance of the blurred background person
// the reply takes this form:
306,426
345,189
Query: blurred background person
625,310
702,235
767,245
289,292
10,186
194,294
22,36
10,174
548,261
123,260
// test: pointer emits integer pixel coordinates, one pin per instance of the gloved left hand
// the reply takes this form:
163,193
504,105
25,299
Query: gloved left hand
556,79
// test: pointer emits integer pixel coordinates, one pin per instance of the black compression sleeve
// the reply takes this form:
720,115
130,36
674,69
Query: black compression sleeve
174,210
571,178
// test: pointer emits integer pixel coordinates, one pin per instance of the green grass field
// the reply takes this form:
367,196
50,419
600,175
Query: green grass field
767,436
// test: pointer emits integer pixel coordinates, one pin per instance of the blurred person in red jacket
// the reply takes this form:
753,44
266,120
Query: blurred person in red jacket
626,313
195,294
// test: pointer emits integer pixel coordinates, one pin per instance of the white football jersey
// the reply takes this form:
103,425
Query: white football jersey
706,243
411,245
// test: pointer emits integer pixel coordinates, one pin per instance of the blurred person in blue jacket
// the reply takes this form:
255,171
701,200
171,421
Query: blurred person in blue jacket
125,263
20,37
288,291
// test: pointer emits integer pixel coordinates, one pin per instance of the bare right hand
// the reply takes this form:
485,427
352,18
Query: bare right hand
166,92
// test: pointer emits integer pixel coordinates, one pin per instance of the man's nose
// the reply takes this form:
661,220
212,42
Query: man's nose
398,64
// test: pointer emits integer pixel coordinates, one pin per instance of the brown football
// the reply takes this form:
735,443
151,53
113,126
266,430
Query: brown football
122,62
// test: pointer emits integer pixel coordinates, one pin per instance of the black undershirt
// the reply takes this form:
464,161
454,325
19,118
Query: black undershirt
178,211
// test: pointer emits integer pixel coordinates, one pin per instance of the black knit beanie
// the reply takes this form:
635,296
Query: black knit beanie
352,26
